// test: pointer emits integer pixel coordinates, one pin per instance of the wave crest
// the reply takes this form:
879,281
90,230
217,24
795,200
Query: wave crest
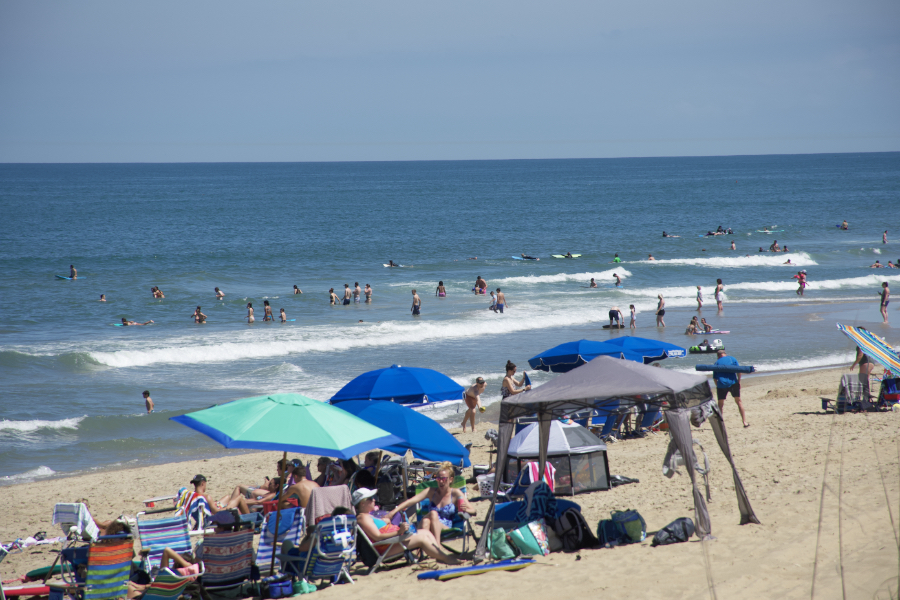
37,424
800,259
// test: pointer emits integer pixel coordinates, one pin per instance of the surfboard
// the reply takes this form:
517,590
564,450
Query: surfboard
769,231
709,332
564,256
387,265
513,564
64,277
518,258
727,369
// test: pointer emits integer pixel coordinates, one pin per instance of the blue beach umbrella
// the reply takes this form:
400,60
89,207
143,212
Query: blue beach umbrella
565,357
644,350
421,434
411,386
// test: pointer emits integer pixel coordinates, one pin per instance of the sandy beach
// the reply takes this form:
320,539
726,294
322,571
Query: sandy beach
782,460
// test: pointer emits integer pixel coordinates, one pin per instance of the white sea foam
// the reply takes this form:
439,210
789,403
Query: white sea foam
799,259
31,475
35,425
867,281
562,277
876,250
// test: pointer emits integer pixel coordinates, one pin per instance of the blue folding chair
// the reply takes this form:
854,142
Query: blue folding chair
332,550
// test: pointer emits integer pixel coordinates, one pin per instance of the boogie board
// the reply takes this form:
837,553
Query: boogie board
769,231
697,350
513,564
564,256
622,326
709,332
387,265
727,369
520,258
525,379
64,277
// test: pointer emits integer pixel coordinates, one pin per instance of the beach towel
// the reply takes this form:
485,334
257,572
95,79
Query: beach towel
194,506
549,473
322,501
78,516
291,527
540,503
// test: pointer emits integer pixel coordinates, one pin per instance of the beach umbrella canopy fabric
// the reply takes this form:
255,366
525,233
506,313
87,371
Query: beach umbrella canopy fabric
403,385
423,435
565,357
874,347
646,350
289,423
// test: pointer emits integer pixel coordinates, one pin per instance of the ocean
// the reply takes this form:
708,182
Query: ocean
71,382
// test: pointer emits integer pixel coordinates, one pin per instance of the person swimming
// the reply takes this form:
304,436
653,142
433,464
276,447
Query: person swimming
392,264
297,290
593,283
126,322
526,257
219,294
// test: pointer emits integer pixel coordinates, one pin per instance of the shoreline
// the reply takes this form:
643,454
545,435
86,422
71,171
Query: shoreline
781,459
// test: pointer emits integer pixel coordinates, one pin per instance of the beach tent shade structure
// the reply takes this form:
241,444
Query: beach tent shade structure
290,423
567,356
874,347
578,456
424,436
404,385
648,350
604,381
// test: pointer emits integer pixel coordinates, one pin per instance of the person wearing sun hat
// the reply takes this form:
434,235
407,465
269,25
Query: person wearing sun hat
378,530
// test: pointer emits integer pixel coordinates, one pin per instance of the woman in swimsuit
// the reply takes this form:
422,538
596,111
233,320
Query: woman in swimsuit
333,296
692,327
267,311
368,293
297,290
885,300
219,294
720,293
250,318
439,504
380,529
510,387
440,292
660,311
705,327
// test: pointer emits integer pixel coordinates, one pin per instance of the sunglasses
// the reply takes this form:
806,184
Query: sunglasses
442,479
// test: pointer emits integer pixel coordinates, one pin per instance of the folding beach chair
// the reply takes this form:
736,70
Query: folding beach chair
323,501
158,534
291,527
227,559
76,521
331,552
374,555
889,394
169,585
108,563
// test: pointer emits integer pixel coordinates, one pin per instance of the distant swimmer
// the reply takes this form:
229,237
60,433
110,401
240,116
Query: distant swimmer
346,294
593,283
392,264
102,297
787,262
297,290
890,265
633,316
472,258
669,235
651,257
148,401
250,318
785,249
616,258
440,291
877,265
844,225
775,247
526,257
885,300
765,229
761,249
616,315
699,297
356,292
198,316
884,237
219,294
720,229
73,272
332,296
501,301
126,322
282,316
733,246
569,255
480,286
617,278
416,304
267,311
368,293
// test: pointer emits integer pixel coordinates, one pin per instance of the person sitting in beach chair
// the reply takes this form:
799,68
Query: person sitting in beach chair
300,490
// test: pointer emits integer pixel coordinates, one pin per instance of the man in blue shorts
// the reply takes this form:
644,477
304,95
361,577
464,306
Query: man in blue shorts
728,382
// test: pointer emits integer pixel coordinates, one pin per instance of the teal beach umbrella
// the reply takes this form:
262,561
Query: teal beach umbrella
289,423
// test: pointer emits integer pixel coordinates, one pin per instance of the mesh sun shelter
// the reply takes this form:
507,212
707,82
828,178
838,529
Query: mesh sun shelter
577,455
606,381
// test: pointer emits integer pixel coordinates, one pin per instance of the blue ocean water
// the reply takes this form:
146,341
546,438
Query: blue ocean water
71,383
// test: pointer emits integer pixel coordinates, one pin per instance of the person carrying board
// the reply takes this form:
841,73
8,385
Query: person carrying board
728,382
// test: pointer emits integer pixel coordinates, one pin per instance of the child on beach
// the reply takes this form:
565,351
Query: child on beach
699,297
148,402
633,313
283,316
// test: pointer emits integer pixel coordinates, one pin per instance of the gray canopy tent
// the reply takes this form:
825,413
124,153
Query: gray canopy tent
605,381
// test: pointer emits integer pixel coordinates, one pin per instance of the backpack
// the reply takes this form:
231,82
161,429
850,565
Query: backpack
679,530
624,527
573,531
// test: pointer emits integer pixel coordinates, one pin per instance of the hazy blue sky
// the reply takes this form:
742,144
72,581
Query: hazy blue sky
119,81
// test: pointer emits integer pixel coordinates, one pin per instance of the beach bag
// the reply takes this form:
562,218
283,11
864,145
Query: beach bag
623,527
573,530
679,530
499,546
531,538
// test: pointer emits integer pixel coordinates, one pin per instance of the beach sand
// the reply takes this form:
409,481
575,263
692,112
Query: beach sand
781,458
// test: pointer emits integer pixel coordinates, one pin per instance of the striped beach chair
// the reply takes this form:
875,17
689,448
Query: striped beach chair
332,551
227,559
168,585
291,527
108,570
158,534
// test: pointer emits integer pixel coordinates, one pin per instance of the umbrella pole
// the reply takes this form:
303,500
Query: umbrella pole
278,512
378,468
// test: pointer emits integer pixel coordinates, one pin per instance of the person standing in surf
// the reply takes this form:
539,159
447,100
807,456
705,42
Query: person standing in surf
593,283
884,237
617,278
440,291
346,294
267,311
283,316
501,301
416,305
250,318
297,290
720,293
219,294
885,300
699,297
633,316
148,401
368,292
332,296
732,245
660,311
356,292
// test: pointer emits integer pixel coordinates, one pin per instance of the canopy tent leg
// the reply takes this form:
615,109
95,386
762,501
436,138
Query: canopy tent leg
718,427
506,433
680,427
544,420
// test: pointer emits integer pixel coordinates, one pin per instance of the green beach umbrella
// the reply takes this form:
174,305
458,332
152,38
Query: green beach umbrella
289,423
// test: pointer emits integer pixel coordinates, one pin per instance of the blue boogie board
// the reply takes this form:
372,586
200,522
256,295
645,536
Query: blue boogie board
64,277
513,564
727,369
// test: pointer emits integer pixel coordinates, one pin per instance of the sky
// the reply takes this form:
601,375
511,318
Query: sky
344,80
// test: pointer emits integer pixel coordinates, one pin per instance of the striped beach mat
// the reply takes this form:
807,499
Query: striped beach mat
227,557
109,567
158,534
166,586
